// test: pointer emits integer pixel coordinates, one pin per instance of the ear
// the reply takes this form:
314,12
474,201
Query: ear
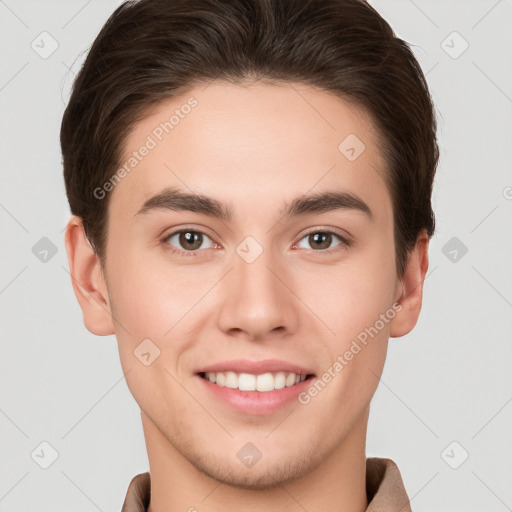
411,287
88,280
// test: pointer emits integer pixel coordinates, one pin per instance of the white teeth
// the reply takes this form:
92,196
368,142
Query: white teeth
290,380
231,380
220,379
264,382
249,382
279,380
246,382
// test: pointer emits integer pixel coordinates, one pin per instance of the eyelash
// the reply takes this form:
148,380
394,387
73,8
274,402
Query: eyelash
344,242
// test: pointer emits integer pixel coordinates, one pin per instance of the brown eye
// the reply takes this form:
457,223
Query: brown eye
322,241
189,240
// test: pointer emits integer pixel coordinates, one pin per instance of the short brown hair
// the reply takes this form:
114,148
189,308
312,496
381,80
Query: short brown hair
151,50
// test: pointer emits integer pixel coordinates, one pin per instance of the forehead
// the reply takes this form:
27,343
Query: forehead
253,144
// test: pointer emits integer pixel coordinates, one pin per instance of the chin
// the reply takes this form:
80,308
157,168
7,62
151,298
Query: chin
265,475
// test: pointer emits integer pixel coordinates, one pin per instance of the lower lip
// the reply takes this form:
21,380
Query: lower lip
256,402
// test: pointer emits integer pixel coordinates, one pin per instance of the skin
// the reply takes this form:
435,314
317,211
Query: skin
254,147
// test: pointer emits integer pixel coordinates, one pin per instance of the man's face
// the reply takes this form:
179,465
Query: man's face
261,285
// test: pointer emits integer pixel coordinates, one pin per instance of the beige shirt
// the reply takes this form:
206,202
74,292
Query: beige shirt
384,488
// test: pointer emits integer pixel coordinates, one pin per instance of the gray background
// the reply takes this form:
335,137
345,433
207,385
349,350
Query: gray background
446,389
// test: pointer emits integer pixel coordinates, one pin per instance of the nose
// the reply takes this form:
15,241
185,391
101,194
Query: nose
258,300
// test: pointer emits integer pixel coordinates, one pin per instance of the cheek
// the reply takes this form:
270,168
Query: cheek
149,297
358,306
351,296
351,303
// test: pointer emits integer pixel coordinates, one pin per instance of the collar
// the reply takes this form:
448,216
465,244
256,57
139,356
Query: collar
384,488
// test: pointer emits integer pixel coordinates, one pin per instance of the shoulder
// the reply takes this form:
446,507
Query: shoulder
384,486
138,493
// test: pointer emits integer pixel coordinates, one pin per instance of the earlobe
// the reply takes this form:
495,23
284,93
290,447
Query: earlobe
410,299
88,280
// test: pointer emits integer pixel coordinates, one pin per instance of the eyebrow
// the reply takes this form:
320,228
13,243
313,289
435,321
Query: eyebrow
177,200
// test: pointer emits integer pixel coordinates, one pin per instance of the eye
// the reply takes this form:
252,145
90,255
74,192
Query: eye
189,240
321,241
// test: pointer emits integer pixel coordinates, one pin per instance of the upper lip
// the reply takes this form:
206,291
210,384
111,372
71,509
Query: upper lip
256,367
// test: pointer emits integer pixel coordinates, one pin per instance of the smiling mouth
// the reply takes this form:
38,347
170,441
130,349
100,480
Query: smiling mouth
263,382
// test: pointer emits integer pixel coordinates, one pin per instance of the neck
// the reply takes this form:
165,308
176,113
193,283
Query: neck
337,483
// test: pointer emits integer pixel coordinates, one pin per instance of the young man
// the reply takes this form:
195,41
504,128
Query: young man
250,184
